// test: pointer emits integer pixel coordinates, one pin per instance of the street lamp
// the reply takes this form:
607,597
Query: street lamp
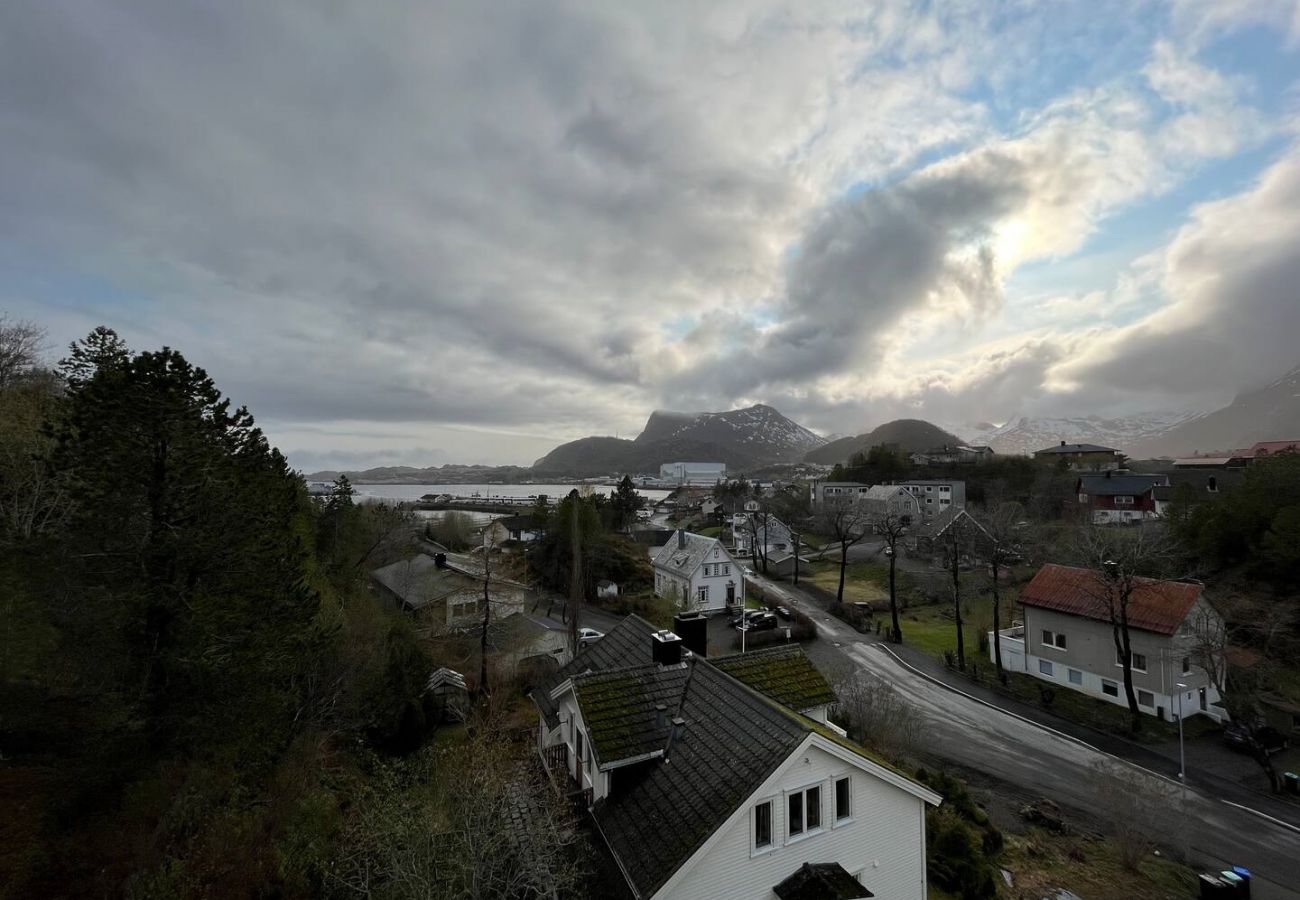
1182,760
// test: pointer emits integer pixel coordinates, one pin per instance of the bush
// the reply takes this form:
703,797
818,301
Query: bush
960,841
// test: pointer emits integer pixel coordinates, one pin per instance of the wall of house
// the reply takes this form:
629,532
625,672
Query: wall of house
729,573
570,726
883,843
934,497
1090,651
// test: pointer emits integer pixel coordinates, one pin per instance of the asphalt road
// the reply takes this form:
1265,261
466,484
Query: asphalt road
1017,752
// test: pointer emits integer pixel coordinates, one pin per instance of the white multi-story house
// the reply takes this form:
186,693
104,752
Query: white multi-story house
1066,638
705,780
936,496
824,492
698,573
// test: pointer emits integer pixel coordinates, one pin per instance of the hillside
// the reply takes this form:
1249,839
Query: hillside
448,474
1269,413
740,437
1025,434
909,434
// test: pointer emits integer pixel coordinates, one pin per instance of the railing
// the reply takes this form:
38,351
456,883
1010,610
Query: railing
556,757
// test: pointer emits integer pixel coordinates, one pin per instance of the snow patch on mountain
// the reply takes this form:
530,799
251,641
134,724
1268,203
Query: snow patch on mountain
1025,434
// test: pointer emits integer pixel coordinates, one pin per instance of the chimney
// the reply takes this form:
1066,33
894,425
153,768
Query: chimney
665,648
1062,443
661,715
694,631
679,729
681,538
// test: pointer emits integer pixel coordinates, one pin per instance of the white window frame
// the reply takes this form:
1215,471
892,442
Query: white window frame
1069,676
1123,500
1049,671
1105,682
836,820
754,849
702,595
802,792
1151,694
1058,641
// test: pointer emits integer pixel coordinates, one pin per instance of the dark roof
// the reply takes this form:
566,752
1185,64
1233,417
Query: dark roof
785,674
1158,606
626,644
1199,480
517,523
732,741
686,559
1118,485
1076,448
821,881
418,581
620,711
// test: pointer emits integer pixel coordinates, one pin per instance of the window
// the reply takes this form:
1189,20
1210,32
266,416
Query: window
1212,485
1187,665
1139,660
945,502
1083,498
1053,639
704,595
945,489
1045,666
804,811
1109,688
1146,698
1076,677
1122,500
726,570
843,799
763,825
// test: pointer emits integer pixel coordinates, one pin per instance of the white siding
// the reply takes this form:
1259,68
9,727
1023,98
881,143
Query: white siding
885,840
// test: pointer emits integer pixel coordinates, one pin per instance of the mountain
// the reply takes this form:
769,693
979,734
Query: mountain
1025,434
1268,413
740,437
909,434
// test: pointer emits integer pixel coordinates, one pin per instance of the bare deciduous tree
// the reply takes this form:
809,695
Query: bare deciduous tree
877,715
891,527
1002,529
1127,562
846,523
1136,802
21,344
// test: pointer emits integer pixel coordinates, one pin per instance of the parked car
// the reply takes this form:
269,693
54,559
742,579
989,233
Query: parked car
735,621
761,622
1242,737
784,612
589,636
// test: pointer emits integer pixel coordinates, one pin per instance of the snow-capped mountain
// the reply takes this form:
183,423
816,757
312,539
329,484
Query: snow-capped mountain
760,431
1025,434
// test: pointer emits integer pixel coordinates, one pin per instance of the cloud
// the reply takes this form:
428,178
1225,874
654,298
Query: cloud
489,223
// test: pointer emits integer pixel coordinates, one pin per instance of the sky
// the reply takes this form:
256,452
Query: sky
421,233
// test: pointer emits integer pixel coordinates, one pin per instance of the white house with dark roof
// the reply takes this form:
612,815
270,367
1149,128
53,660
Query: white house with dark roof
702,783
698,573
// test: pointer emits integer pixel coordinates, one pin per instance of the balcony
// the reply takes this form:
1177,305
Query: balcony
556,760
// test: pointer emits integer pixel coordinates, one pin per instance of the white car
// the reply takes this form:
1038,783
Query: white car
589,636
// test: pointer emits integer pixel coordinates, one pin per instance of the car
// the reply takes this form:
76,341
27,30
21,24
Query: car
784,612
735,621
749,573
1242,737
589,636
763,621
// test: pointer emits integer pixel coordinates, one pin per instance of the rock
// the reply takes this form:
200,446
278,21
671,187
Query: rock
1045,814
1006,877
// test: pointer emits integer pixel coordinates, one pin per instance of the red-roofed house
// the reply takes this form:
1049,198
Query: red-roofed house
1066,638
1263,449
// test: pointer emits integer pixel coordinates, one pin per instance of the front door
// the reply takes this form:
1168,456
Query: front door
731,593
1204,703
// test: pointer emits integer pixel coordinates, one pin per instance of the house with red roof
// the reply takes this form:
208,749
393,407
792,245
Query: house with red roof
1066,638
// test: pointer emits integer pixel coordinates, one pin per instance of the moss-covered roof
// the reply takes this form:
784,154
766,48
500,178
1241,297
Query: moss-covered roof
785,674
619,709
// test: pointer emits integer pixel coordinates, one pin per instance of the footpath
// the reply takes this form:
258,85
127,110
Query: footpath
1152,758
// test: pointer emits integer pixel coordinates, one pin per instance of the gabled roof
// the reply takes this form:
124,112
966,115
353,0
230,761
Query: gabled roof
1263,448
886,492
821,881
785,674
620,709
1076,448
1118,485
516,523
418,581
626,644
685,560
1156,606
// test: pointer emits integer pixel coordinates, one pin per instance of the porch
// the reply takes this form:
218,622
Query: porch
555,759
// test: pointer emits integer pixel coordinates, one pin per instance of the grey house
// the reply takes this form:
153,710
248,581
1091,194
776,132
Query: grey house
1066,639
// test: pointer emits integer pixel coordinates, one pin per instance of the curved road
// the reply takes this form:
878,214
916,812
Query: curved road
1018,752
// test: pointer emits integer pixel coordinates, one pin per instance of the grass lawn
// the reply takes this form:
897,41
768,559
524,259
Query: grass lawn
859,580
711,531
1090,867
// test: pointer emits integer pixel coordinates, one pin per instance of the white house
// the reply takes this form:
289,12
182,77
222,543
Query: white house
824,492
935,496
703,784
882,499
750,529
1066,639
698,573
511,528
